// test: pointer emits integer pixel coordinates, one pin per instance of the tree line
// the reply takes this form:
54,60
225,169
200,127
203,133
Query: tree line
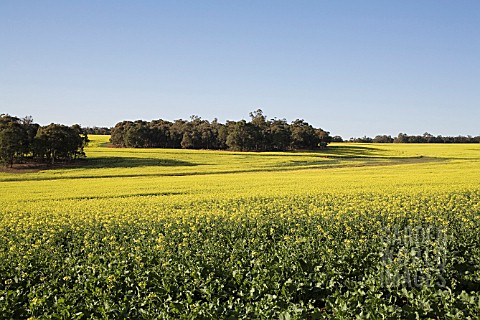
97,130
425,138
22,140
258,134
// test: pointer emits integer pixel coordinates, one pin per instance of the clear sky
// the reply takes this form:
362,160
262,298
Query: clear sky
353,68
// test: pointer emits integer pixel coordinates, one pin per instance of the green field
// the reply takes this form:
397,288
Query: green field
358,230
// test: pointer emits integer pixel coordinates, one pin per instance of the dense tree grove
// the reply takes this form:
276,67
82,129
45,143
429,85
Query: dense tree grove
97,130
22,140
425,138
258,134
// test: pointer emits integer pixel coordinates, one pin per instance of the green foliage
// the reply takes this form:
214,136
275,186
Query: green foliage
303,135
22,139
259,134
57,142
14,139
274,257
425,138
241,136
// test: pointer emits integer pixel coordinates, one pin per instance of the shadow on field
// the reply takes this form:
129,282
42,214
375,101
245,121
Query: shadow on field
351,151
341,151
131,162
300,164
336,151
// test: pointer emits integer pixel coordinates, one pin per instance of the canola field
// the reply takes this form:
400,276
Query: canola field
366,231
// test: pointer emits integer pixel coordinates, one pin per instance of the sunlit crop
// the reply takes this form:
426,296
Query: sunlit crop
359,230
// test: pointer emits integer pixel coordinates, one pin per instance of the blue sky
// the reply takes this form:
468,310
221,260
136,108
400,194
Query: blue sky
353,68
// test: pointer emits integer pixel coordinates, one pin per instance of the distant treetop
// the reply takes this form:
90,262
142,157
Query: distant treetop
425,138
